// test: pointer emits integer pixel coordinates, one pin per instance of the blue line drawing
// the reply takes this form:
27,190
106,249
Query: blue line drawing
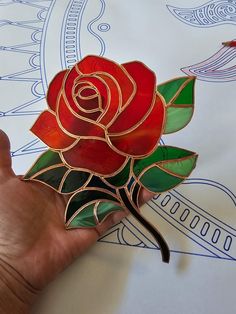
31,99
215,184
71,46
30,52
90,27
209,232
218,68
35,146
212,13
70,33
215,238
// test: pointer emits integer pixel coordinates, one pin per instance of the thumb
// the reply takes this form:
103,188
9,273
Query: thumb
5,156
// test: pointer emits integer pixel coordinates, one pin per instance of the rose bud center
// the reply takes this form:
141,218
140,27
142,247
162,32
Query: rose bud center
88,98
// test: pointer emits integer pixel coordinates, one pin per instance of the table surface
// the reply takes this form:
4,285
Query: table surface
123,272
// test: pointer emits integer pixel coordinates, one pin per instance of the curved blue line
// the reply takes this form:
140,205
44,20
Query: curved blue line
175,10
78,22
216,184
89,27
42,48
206,212
63,65
191,238
79,29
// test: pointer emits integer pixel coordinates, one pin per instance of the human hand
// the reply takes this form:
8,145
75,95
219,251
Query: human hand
34,244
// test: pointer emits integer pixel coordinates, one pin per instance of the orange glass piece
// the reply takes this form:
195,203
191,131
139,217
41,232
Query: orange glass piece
142,101
54,89
94,155
143,139
48,130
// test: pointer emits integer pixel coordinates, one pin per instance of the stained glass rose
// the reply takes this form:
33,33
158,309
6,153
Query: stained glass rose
101,113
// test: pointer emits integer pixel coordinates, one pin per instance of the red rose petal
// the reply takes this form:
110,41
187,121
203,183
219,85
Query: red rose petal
110,95
94,155
115,99
93,64
74,124
72,76
54,89
142,101
48,130
144,138
99,85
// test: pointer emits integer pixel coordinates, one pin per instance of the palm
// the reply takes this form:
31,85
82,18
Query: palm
32,235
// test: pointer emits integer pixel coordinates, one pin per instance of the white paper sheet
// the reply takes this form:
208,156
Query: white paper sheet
123,273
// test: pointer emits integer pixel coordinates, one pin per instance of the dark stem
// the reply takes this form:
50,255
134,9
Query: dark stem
165,252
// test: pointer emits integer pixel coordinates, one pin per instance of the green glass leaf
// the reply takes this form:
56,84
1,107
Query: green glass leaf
186,94
169,89
162,153
177,118
121,178
87,196
84,218
97,182
179,96
74,180
167,167
157,180
106,208
47,159
52,177
182,167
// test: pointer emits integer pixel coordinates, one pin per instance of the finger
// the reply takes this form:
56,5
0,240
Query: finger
145,196
5,156
84,238
110,221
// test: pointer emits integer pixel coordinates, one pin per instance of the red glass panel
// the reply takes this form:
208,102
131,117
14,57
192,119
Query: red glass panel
69,87
99,85
54,89
140,104
94,155
91,64
47,129
144,138
76,125
114,97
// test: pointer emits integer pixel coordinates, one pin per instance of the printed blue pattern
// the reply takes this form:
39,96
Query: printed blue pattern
212,13
28,76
